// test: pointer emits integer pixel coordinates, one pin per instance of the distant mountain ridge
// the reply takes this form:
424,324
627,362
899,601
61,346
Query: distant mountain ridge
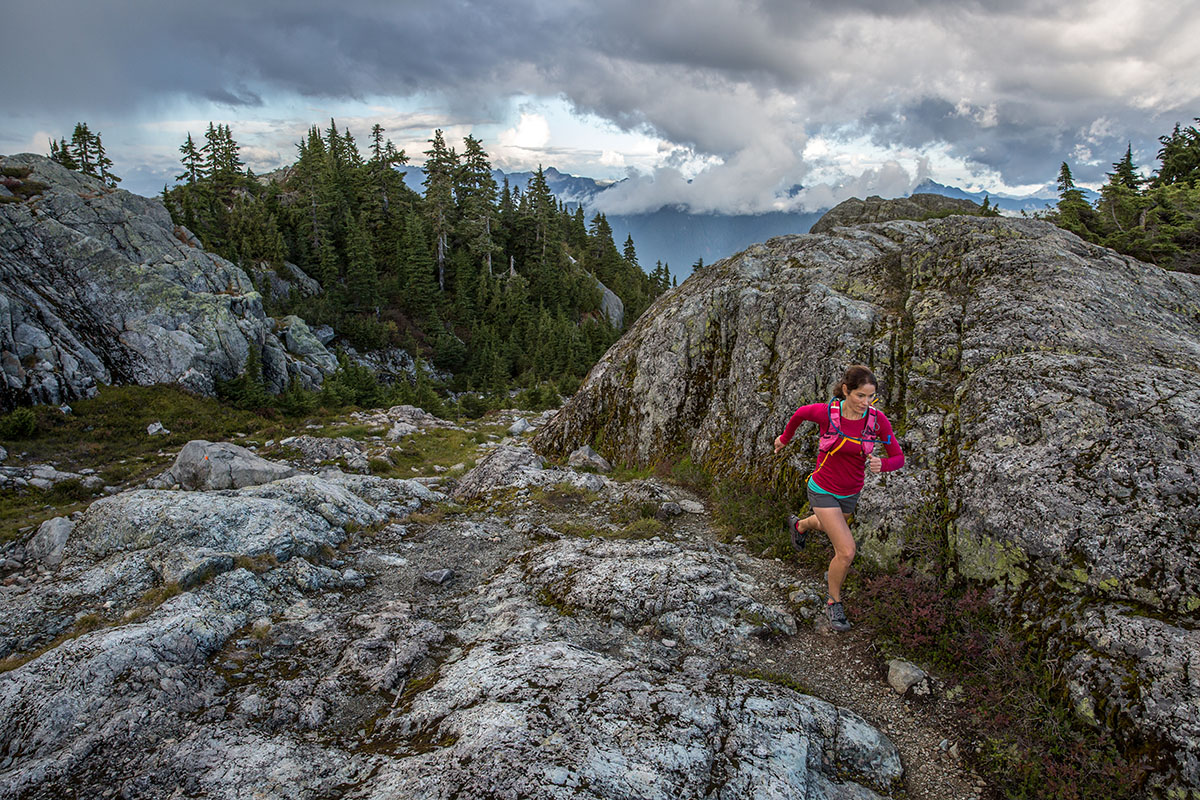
679,238
1027,203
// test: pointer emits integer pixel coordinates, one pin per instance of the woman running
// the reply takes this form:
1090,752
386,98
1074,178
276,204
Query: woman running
850,428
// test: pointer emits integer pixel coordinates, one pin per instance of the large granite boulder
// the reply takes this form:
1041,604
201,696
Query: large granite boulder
1046,392
98,286
219,465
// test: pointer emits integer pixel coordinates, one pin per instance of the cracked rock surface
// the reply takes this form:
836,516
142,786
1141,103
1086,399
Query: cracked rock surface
1046,392
279,641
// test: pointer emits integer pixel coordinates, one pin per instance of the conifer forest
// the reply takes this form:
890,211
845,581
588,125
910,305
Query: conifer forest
497,286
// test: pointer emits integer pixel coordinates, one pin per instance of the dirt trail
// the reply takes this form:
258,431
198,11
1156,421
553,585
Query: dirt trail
846,669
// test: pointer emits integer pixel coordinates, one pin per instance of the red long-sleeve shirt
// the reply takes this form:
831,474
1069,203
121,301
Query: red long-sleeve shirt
841,472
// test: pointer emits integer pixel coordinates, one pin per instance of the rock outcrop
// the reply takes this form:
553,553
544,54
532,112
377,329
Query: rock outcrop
279,641
97,286
1047,395
876,209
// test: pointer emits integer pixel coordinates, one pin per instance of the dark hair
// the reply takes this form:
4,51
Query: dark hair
856,375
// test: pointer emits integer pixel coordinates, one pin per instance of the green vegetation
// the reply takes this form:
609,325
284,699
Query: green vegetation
561,496
493,284
109,432
1033,744
777,678
1156,219
443,447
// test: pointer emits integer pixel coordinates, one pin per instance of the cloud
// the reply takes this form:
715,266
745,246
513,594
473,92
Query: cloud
734,88
531,133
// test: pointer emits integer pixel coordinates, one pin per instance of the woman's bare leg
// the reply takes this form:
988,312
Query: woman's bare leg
811,524
833,522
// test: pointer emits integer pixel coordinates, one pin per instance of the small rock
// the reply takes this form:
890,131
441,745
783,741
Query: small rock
691,506
668,510
440,577
902,675
519,427
669,642
64,408
156,429
587,457
48,543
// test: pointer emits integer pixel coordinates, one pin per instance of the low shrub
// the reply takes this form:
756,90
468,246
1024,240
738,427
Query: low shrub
755,513
20,423
642,529
1033,745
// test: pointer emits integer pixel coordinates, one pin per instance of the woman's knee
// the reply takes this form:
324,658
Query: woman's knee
845,552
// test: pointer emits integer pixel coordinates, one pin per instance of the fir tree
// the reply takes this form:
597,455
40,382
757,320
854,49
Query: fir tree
193,162
104,164
1124,173
440,168
83,149
630,252
362,282
1180,157
476,194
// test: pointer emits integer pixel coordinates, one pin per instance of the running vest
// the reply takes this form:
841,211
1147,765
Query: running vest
833,431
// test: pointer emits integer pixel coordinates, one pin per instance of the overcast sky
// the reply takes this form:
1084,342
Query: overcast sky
717,104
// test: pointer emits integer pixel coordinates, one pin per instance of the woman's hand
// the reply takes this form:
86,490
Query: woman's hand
876,464
779,445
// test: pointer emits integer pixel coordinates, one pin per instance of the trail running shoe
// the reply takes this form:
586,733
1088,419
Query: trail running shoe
799,537
837,617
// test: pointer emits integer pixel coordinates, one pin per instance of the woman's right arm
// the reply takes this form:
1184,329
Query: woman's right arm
814,412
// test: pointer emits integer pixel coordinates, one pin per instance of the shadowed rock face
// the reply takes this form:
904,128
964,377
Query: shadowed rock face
1047,394
98,286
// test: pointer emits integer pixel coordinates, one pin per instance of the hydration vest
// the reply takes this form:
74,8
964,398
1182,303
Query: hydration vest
833,438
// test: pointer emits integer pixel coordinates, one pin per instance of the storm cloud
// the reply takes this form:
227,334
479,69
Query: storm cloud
737,90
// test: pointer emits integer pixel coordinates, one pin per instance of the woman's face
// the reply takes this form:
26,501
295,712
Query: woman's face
858,400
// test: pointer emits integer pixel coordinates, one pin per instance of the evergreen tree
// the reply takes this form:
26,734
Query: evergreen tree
418,292
60,151
1074,213
440,169
1124,173
384,180
630,251
83,150
362,282
104,164
1180,157
476,193
193,162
